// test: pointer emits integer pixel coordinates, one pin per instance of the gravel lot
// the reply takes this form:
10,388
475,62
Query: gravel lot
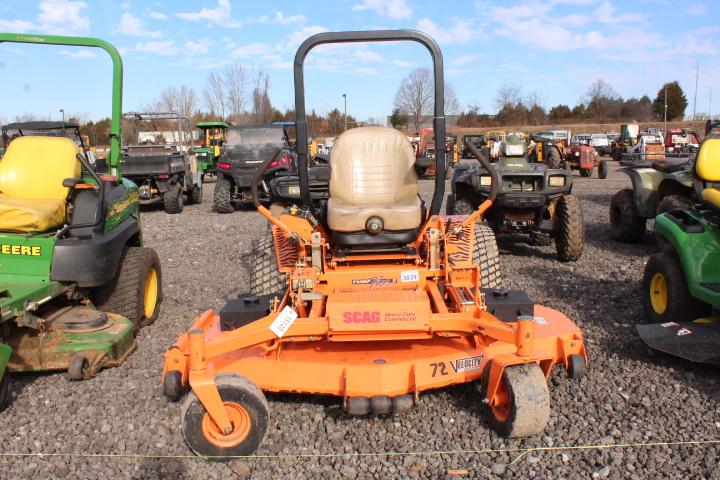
631,394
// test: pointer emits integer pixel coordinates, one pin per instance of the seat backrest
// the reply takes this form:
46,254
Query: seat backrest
707,165
35,167
372,166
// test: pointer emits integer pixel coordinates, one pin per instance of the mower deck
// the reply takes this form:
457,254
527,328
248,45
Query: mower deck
695,341
382,367
103,339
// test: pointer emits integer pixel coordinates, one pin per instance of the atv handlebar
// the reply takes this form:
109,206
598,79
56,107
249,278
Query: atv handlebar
259,174
485,162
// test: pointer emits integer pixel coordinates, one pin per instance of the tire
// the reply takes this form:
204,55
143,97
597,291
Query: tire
195,196
664,272
625,225
78,367
248,409
528,402
450,205
173,388
4,389
603,169
586,172
577,367
173,199
265,276
222,200
553,159
463,206
487,257
617,155
570,236
567,166
138,281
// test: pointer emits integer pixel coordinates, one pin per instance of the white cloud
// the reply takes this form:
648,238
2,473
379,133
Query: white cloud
461,31
220,15
250,50
605,13
366,70
696,9
469,58
201,46
165,47
398,9
281,19
132,25
403,63
18,26
301,35
63,17
79,54
157,15
368,56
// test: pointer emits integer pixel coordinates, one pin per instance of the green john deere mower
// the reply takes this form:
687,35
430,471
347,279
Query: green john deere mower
75,280
213,139
682,282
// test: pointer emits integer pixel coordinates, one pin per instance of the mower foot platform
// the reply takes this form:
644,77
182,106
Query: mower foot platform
81,340
697,341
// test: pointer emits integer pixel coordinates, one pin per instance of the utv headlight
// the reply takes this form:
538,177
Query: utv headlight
557,181
294,191
577,154
485,180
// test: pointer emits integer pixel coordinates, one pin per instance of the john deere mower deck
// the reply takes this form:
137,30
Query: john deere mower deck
75,281
381,300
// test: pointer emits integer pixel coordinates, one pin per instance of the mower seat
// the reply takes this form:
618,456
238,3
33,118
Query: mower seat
32,196
707,171
373,176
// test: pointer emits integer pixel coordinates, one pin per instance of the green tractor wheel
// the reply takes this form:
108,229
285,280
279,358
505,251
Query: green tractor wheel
666,297
136,291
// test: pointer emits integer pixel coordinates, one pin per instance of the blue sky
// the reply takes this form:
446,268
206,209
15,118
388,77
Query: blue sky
555,48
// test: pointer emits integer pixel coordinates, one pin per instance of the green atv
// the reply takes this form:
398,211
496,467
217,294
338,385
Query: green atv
682,282
213,138
75,280
532,199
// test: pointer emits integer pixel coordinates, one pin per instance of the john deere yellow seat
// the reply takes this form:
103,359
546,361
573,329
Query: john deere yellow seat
32,197
707,168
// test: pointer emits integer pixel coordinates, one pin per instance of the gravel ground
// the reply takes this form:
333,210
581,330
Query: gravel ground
631,395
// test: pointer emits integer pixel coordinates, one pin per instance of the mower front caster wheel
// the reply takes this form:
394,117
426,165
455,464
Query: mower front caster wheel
523,402
78,368
249,415
577,367
173,387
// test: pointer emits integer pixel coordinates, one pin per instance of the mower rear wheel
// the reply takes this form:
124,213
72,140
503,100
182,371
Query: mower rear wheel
625,224
173,199
136,291
603,169
249,414
523,406
265,276
222,200
487,257
462,206
571,232
666,296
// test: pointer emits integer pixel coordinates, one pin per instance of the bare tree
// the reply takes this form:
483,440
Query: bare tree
509,96
602,102
214,95
414,98
235,84
535,109
262,107
452,105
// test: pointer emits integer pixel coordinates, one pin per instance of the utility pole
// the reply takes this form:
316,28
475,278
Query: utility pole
666,108
344,95
697,77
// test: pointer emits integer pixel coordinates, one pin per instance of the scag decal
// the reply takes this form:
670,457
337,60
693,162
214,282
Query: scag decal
20,250
361,317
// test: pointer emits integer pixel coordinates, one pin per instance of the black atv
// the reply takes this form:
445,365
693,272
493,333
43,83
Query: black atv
244,147
532,199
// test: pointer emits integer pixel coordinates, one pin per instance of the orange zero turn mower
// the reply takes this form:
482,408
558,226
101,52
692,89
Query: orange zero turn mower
382,299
